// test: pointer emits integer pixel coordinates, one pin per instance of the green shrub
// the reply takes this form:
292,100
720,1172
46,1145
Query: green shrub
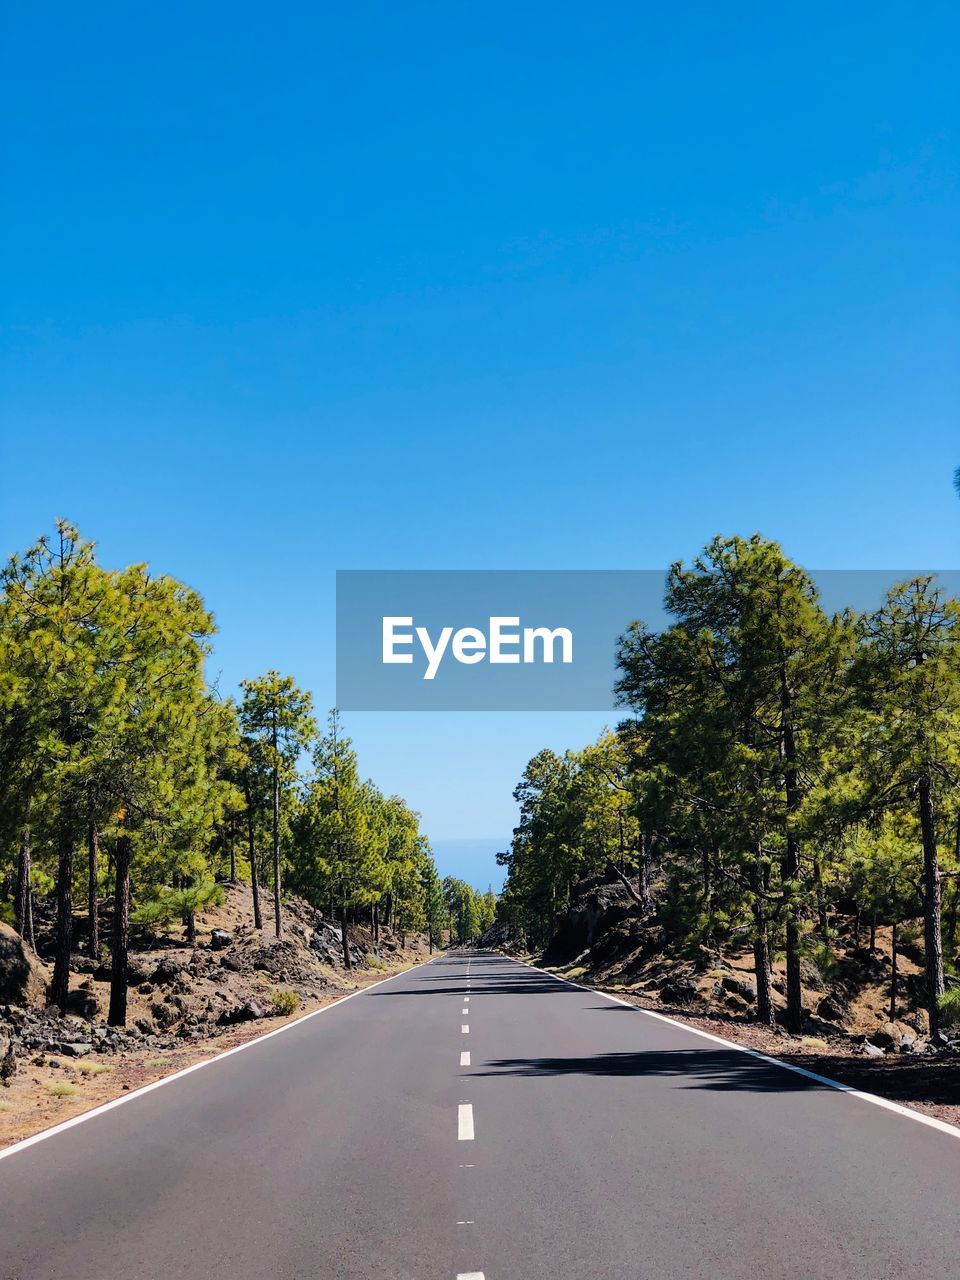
374,962
949,1007
170,905
283,1003
62,1090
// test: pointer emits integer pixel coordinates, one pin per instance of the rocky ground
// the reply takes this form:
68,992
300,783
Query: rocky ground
186,1002
848,1036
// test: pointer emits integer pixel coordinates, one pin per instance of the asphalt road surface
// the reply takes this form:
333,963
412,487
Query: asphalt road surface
477,1117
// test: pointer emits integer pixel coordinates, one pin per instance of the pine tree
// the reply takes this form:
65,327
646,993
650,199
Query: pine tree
55,698
276,716
908,680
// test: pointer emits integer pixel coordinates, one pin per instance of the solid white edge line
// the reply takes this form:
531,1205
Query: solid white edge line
196,1066
465,1122
932,1122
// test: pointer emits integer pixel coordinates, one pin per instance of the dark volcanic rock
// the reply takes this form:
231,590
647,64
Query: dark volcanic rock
738,987
83,1001
833,1007
249,1011
22,977
679,990
869,1050
596,907
167,971
75,1048
888,1036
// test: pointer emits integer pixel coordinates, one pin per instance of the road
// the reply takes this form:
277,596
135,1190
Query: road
478,1117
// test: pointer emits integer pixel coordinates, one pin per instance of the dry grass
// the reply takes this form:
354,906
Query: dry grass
62,1089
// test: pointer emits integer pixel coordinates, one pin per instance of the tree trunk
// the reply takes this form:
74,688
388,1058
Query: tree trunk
191,923
60,985
873,931
761,966
794,1017
121,932
790,871
24,907
953,914
93,888
638,898
252,851
276,845
345,937
761,946
706,872
376,922
893,972
790,865
821,896
955,897
233,851
932,940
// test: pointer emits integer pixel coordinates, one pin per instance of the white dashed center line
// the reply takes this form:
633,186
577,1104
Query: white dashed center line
465,1122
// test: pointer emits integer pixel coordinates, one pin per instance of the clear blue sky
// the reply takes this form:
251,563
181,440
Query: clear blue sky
287,288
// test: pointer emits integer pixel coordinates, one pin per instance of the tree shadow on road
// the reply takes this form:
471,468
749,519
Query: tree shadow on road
494,986
696,1068
493,982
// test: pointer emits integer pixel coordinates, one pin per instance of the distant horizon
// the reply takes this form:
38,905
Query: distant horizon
472,859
